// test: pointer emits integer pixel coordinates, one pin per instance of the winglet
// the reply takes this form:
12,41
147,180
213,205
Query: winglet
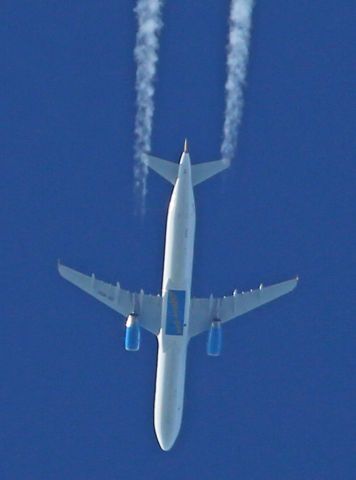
186,150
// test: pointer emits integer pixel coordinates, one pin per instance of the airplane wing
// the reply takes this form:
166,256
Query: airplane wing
204,310
148,307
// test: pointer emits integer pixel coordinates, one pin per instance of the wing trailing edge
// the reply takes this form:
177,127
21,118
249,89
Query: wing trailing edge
204,310
147,307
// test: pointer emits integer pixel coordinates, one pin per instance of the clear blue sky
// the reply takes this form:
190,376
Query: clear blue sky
280,402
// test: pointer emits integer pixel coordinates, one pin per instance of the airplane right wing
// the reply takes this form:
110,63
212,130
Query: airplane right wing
204,310
147,307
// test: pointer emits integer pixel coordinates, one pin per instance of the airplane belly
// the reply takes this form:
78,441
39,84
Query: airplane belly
179,247
173,337
169,395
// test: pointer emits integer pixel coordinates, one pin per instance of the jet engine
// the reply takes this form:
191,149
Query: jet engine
214,345
132,333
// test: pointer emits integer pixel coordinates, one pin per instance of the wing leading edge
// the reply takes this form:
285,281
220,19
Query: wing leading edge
204,310
147,307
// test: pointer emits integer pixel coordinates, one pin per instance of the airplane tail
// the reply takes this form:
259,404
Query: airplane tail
165,168
203,171
200,172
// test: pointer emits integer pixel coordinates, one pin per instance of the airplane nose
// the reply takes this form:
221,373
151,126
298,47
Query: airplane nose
166,438
167,427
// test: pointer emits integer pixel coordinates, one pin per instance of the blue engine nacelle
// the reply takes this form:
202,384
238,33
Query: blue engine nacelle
132,334
214,345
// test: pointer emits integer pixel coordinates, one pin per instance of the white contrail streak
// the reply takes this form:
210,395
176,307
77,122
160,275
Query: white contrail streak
237,56
146,55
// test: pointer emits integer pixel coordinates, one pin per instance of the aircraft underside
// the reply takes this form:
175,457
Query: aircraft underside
174,316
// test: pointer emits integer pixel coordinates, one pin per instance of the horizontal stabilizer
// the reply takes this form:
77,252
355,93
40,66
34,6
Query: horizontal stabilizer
203,171
166,169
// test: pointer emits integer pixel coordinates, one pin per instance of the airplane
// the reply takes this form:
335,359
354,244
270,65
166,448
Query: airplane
174,316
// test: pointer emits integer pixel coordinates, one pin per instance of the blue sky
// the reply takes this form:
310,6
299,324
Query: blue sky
280,402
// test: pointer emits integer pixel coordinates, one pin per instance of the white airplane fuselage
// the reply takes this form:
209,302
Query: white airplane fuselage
176,289
168,315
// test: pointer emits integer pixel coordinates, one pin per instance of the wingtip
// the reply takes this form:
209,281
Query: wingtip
60,267
295,282
186,148
145,157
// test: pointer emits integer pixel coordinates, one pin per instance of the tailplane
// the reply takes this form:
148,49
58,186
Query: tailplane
203,171
169,170
165,168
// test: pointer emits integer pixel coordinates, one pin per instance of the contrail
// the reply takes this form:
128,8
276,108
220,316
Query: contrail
146,55
237,56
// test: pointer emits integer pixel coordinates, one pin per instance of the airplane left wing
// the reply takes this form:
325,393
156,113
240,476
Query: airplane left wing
204,310
147,307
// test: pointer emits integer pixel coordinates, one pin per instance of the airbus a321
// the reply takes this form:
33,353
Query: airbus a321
174,316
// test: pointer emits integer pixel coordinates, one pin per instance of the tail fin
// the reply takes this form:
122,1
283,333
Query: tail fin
200,171
203,171
166,169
